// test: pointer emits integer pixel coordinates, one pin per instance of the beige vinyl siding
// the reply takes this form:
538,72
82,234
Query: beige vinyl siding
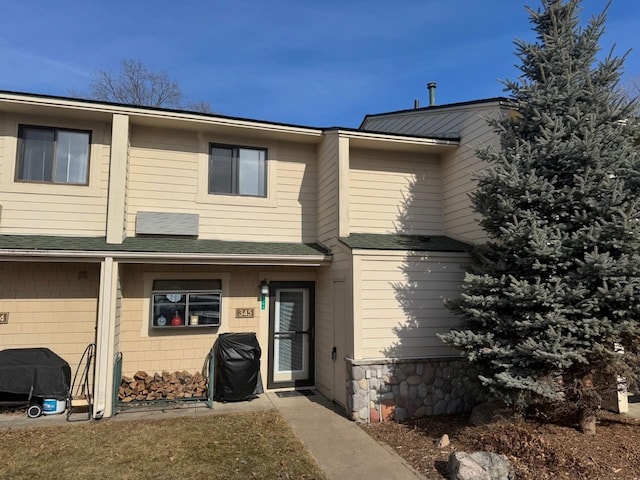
340,269
164,172
401,303
48,209
328,154
324,333
3,159
390,193
297,193
104,163
156,350
51,305
458,170
469,123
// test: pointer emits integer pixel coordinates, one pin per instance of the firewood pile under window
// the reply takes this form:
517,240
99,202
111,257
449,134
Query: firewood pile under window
162,386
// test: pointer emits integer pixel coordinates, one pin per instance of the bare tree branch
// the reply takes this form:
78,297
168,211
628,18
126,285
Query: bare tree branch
135,84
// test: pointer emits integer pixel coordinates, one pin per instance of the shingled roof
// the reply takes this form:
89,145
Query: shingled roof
160,245
383,241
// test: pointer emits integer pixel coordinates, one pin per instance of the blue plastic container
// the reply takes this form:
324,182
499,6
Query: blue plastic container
51,406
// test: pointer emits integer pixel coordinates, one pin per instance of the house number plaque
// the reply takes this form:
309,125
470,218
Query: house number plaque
244,312
4,317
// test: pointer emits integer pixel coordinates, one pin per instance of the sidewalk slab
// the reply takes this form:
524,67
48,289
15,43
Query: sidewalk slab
340,446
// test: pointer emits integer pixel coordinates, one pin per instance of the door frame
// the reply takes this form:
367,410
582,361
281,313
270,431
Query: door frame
311,286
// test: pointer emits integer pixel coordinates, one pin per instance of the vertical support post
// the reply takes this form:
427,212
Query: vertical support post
116,204
105,339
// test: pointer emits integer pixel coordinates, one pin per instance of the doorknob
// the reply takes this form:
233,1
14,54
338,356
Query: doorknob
334,353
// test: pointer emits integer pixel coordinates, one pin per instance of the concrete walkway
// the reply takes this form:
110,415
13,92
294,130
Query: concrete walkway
341,448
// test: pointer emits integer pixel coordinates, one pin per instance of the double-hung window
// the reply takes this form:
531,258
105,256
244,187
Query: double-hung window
237,170
53,155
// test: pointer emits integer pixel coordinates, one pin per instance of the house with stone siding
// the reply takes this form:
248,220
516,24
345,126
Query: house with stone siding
150,232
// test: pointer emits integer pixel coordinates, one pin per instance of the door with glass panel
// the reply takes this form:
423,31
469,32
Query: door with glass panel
291,356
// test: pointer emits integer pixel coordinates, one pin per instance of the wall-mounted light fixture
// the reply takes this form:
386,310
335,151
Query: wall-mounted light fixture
264,287
264,292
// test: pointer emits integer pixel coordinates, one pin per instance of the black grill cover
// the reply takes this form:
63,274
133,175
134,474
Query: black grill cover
237,357
36,372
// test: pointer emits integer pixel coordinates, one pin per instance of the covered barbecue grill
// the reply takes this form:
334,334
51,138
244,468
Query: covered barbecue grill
237,365
34,372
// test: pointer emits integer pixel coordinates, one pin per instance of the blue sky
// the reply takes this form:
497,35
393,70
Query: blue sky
318,63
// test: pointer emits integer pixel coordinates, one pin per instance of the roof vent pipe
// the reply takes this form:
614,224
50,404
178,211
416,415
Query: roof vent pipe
416,104
431,86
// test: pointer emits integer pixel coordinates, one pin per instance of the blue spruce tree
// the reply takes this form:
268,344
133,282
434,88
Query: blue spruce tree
555,292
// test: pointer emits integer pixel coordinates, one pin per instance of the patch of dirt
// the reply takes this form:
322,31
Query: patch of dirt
537,450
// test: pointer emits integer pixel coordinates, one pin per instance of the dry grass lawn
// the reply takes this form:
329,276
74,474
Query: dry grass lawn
239,446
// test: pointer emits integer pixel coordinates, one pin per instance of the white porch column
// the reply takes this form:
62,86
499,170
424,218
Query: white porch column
105,339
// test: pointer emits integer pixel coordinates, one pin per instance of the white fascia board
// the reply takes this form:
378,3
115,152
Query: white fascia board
400,139
140,113
136,257
408,253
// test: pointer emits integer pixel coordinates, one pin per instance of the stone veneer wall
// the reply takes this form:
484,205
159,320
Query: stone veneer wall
400,389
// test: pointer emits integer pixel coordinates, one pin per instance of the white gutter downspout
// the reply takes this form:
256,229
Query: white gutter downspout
105,338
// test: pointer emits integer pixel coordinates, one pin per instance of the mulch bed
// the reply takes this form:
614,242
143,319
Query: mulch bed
537,449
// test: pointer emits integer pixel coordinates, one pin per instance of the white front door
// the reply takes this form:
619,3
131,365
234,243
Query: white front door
291,335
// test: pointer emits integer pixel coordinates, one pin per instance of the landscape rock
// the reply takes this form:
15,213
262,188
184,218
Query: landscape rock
443,442
479,466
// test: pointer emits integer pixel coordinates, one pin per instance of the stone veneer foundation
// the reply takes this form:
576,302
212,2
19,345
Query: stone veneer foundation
396,389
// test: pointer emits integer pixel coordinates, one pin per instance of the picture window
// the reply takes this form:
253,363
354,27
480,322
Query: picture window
186,303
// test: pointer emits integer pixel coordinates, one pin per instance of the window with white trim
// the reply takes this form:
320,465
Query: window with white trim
235,170
186,303
53,155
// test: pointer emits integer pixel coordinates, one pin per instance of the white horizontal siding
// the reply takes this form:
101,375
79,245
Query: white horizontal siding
401,304
390,193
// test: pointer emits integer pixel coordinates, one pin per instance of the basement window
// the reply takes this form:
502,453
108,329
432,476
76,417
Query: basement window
186,304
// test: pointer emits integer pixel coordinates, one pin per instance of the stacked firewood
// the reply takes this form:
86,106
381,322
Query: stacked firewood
162,386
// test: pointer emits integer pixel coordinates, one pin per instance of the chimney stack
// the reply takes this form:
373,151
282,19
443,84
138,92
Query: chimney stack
431,86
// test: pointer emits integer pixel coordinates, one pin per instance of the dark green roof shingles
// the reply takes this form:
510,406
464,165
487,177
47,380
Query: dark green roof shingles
158,245
377,241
